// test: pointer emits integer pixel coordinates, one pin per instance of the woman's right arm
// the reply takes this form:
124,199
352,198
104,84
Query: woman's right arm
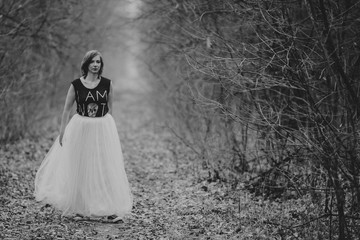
70,98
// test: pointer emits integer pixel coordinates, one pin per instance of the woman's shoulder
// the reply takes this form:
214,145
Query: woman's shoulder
107,80
76,82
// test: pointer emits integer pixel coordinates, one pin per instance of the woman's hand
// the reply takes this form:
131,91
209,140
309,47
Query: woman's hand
61,138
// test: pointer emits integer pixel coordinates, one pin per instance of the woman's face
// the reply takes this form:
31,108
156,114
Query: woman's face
95,65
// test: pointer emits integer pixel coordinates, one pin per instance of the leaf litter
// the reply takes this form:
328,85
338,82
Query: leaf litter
170,200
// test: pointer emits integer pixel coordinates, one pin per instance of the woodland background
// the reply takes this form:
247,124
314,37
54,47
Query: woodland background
265,94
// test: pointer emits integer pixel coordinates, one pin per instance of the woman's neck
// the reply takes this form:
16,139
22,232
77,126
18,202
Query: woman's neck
91,77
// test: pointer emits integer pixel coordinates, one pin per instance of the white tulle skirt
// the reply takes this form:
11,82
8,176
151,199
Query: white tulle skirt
86,174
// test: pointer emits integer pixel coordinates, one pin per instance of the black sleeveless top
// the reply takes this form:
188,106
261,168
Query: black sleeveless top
92,102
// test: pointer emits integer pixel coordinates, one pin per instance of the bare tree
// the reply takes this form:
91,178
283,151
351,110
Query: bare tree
269,87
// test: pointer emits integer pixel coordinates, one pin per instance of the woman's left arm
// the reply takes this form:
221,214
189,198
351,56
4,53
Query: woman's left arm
110,102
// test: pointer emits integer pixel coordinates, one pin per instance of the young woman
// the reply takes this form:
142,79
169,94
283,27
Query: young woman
83,173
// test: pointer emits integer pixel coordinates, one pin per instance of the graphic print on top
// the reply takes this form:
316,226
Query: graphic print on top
92,102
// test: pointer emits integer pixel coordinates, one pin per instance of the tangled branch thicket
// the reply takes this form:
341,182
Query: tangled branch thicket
39,48
267,92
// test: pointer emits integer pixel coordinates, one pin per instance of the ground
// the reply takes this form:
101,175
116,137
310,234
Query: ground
172,199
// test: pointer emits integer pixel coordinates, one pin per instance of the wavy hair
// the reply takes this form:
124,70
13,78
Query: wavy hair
87,60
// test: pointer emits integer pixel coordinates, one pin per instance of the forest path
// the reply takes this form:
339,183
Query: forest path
169,200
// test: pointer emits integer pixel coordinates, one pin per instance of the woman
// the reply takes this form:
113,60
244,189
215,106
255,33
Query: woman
83,172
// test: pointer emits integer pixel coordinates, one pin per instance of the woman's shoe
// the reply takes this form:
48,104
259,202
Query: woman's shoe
114,219
78,217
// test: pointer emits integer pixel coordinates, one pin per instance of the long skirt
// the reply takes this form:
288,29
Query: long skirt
86,174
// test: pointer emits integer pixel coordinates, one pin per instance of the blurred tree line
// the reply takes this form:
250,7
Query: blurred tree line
41,46
266,93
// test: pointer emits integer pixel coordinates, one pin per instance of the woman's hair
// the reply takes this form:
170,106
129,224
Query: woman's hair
87,60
